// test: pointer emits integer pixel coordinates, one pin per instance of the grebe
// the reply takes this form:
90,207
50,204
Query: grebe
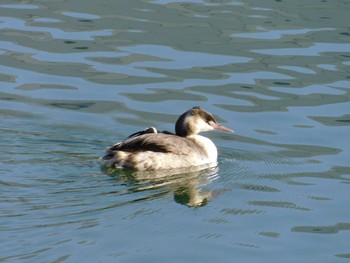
153,150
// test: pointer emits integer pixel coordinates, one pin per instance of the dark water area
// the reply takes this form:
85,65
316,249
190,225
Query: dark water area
77,76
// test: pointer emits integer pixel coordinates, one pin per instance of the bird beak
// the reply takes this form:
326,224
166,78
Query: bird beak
220,127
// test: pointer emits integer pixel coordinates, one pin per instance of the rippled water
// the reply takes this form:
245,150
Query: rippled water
76,76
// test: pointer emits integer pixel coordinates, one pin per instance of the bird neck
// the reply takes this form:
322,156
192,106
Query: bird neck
206,145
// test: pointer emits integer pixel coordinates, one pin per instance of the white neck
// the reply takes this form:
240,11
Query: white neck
207,145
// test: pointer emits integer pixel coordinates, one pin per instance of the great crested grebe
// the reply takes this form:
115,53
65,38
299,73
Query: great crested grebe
153,150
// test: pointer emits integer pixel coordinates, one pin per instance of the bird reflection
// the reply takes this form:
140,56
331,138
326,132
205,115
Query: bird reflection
188,187
192,196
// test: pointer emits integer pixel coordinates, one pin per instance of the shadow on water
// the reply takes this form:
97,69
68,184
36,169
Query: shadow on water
188,187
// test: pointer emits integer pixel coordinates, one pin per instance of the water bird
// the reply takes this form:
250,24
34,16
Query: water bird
151,149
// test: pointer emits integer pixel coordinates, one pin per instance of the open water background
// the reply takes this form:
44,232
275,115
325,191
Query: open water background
79,75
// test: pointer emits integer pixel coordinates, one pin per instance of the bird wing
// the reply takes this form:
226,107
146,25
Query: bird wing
157,142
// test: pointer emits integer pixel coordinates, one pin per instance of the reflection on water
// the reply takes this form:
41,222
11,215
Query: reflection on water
187,187
75,76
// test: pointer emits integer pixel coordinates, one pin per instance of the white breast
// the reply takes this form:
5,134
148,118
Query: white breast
207,145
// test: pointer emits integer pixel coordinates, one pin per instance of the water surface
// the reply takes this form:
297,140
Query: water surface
78,76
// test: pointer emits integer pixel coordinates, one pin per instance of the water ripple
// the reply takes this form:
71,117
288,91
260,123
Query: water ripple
20,6
315,49
278,34
77,76
10,25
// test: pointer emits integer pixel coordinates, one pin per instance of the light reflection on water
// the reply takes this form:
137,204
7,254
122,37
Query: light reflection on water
76,77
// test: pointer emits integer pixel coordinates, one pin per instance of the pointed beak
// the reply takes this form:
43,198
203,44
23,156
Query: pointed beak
220,127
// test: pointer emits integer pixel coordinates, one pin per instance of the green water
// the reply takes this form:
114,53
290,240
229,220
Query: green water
77,76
